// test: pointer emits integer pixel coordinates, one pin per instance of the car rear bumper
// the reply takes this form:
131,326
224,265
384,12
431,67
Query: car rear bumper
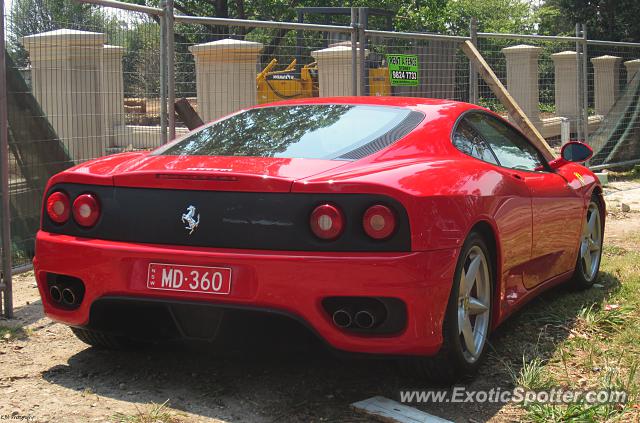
290,283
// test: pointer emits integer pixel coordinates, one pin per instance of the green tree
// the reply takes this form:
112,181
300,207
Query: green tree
453,16
614,20
28,17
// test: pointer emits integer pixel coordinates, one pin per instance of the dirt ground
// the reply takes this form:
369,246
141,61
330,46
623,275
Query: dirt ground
254,375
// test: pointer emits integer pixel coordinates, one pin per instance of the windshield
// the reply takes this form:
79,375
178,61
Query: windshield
307,131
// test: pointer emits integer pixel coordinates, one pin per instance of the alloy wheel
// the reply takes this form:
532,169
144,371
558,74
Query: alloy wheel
591,244
474,302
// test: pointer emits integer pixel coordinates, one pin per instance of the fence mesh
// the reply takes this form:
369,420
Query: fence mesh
541,92
614,106
85,81
221,70
443,68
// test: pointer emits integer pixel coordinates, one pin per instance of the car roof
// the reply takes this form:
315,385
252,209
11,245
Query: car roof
453,108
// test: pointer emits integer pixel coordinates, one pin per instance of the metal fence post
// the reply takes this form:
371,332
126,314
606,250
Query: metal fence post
354,51
579,85
362,38
473,74
163,73
5,283
585,86
565,130
171,69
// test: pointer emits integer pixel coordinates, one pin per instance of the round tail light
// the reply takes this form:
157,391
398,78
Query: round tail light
58,207
327,222
86,210
379,222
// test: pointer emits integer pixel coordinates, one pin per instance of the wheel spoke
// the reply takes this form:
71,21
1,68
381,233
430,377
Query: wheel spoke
476,306
472,273
463,284
592,222
461,317
587,263
584,248
467,334
593,246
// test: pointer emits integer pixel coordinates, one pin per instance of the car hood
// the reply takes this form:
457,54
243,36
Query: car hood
199,172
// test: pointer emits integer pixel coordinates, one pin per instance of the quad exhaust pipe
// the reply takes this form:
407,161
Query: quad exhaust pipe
64,296
342,318
68,297
55,293
363,319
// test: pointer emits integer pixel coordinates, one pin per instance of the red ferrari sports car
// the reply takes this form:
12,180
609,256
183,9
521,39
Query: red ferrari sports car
390,226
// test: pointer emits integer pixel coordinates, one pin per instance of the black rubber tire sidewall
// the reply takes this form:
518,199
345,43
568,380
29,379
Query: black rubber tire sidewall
451,333
579,281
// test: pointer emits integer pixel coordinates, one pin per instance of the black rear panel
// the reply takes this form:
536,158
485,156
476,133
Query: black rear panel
262,221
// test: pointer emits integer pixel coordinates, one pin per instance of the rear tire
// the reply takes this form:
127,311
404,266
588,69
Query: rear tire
467,319
101,339
590,251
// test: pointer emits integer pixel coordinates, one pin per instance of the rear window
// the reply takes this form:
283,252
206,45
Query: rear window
327,131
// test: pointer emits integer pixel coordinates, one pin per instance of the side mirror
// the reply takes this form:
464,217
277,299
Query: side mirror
573,151
576,151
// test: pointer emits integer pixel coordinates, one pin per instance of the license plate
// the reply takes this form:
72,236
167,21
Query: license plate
176,277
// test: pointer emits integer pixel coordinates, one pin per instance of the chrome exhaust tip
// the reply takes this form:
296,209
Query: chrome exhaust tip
55,293
68,297
342,318
365,319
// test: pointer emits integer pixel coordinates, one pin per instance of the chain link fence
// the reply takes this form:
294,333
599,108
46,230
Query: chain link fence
614,103
535,71
94,77
83,82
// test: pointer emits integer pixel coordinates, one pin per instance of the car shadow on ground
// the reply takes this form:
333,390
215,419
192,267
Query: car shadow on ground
277,371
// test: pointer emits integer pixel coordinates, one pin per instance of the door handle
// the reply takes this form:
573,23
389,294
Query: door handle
517,176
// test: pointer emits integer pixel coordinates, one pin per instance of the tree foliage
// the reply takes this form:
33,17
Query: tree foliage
29,17
454,16
614,20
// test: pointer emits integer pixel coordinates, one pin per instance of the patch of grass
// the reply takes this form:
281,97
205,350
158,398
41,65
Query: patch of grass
87,392
625,174
614,250
492,104
532,375
576,412
154,413
8,333
594,319
581,340
547,107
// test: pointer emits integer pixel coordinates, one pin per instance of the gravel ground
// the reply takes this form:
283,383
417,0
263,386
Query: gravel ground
266,372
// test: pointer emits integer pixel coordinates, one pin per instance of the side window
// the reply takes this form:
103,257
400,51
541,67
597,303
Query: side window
511,149
467,140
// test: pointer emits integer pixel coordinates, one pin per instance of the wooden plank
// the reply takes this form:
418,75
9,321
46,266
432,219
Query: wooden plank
515,112
188,115
390,411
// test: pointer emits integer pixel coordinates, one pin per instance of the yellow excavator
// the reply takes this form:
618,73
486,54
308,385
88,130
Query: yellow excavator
285,84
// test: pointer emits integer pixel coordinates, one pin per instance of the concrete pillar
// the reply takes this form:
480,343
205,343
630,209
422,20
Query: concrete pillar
633,66
522,79
335,71
225,76
113,94
606,81
566,85
66,75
